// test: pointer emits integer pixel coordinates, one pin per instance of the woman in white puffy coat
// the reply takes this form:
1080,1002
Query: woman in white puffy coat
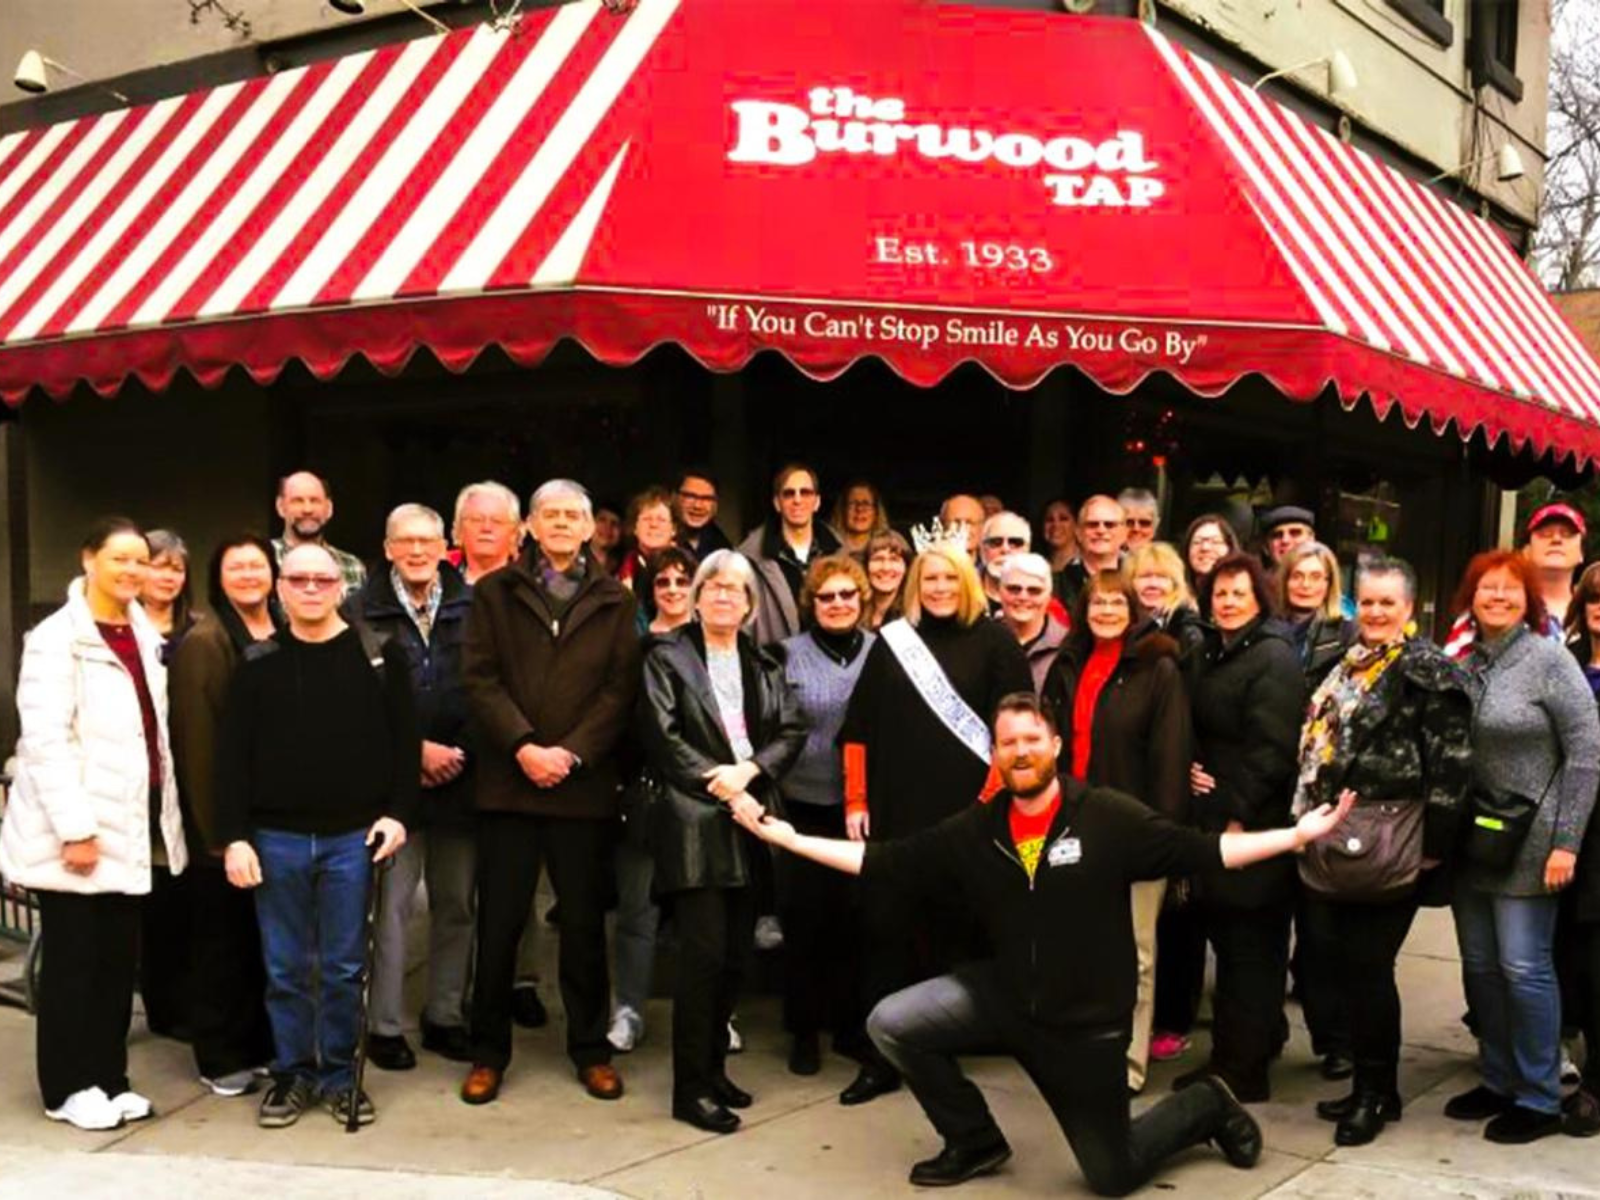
94,810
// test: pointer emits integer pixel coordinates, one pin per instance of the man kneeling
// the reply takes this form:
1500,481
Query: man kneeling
1046,867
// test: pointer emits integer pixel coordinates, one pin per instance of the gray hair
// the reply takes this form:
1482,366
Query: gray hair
164,542
561,487
1383,564
1034,566
1137,498
488,487
1005,515
729,562
413,512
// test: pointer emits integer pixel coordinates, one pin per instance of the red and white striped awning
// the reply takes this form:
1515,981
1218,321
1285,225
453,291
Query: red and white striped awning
924,183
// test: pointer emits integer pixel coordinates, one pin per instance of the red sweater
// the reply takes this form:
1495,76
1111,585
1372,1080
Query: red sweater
1097,673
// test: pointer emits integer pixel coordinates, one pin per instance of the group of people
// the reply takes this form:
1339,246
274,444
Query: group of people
1062,774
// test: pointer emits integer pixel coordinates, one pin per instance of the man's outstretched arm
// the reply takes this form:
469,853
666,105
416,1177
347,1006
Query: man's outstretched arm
837,853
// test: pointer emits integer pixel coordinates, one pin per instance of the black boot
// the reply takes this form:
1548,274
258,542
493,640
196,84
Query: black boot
1338,1110
1367,1119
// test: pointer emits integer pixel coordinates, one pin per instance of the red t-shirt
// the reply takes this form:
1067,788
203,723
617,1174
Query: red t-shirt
1028,833
1097,672
126,647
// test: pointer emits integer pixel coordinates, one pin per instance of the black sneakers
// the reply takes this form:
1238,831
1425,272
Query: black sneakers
339,1105
1518,1126
284,1103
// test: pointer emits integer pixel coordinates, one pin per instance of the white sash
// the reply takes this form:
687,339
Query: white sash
934,686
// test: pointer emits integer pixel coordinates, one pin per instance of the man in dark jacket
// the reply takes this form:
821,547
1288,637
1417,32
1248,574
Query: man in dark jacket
782,549
420,605
1047,867
551,668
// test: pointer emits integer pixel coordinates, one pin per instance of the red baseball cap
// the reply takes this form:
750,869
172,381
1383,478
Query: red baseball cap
1558,512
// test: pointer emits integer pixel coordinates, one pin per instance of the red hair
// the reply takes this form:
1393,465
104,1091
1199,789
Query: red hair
1509,560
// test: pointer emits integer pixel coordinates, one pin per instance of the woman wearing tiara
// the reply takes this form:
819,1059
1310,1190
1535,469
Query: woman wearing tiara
916,750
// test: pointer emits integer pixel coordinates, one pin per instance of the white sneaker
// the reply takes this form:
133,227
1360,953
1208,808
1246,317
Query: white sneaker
89,1108
627,1030
735,1042
133,1106
235,1083
769,934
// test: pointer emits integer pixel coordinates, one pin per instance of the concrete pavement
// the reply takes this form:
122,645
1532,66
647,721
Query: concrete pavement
545,1138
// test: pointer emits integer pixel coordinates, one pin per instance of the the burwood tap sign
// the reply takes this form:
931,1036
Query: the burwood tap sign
1076,171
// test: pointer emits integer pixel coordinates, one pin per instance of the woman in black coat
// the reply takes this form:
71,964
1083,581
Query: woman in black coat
718,723
1311,599
1123,717
1391,722
1247,706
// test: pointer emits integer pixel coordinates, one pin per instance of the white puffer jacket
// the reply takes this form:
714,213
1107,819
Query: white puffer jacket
82,770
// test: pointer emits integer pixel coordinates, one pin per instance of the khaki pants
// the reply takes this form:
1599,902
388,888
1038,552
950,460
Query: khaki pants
1147,899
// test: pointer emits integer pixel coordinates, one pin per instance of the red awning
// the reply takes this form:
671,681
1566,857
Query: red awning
829,178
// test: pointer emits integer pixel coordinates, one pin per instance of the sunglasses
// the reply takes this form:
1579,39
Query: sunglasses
1018,589
1102,524
838,596
675,582
797,493
312,583
1142,522
1016,543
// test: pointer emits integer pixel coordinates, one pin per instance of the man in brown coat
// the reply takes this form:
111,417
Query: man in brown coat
551,667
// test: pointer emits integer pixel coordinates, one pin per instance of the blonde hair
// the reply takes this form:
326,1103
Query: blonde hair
1163,557
1333,605
971,605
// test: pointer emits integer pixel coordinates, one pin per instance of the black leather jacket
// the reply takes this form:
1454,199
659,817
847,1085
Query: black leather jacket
693,837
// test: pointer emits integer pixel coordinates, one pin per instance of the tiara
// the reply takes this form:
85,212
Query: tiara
926,537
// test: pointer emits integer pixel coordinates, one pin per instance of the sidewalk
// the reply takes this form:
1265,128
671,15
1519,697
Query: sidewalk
546,1139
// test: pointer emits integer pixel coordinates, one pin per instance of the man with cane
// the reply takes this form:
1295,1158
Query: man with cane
317,777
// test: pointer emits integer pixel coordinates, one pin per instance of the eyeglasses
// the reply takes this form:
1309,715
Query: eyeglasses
697,497
1108,600
1208,540
1035,592
718,588
1102,524
415,543
797,493
677,583
838,595
484,521
312,583
1016,543
1142,522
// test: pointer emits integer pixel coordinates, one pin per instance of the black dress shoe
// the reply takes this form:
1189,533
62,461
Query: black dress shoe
1237,1135
805,1056
1338,1065
447,1041
872,1081
1366,1119
1518,1126
390,1053
1338,1110
726,1092
705,1113
527,1009
1477,1105
951,1166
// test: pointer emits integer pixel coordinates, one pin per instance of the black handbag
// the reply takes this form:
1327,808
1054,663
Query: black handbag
1375,855
1498,823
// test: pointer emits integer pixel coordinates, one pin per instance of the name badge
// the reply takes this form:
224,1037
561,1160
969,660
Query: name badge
1065,852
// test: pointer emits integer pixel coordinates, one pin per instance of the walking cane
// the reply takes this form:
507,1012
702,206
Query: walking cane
352,1120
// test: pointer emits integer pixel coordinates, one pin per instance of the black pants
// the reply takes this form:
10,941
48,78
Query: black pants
577,853
166,931
714,928
1362,943
228,1012
91,953
1252,948
1082,1074
1317,964
821,943
1589,1006
1180,967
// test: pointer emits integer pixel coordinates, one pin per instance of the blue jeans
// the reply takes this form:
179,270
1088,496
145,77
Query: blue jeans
1509,970
312,909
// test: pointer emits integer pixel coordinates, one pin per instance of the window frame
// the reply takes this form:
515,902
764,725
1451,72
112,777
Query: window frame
1428,16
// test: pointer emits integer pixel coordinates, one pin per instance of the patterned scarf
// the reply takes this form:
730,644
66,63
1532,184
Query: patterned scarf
1332,705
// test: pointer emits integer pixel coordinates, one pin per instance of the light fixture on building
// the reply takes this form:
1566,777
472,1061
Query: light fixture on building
1341,73
1507,165
33,75
355,8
